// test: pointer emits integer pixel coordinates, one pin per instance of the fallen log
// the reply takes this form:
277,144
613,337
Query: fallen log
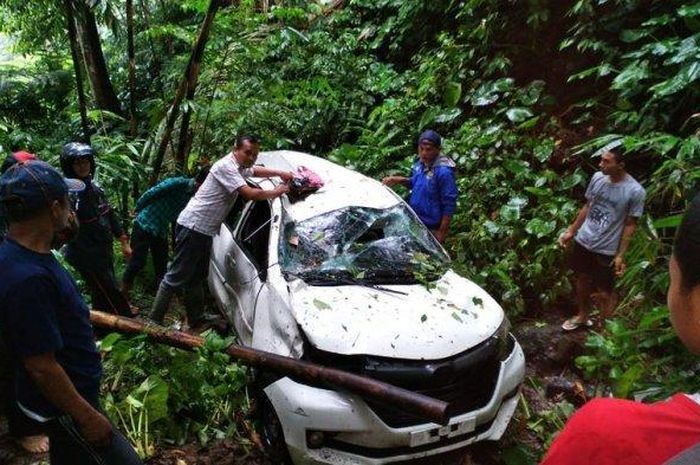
418,404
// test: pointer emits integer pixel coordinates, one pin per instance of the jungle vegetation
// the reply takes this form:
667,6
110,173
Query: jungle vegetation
523,91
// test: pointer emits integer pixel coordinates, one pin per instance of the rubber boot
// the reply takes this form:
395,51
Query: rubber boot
193,299
161,303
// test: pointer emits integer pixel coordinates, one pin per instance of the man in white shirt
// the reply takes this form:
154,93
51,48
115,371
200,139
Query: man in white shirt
201,220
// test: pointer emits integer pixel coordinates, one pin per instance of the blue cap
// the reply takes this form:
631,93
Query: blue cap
431,137
35,184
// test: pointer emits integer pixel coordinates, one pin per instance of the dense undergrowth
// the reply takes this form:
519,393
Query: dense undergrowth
524,92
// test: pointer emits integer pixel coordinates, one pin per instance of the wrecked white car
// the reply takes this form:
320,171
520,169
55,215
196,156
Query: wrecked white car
350,278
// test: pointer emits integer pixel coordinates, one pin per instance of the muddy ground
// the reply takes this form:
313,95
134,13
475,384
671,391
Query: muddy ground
550,377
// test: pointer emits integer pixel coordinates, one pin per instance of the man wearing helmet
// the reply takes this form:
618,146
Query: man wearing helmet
90,253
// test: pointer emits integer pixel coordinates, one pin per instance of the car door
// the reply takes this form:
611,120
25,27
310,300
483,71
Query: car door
245,266
223,252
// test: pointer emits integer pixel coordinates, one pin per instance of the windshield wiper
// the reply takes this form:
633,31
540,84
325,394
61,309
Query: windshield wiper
340,277
363,283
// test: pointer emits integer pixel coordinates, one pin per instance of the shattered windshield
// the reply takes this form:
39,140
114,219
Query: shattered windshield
367,244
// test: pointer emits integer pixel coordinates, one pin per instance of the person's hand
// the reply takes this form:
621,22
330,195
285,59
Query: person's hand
390,180
565,238
126,251
620,265
439,235
95,429
281,189
286,176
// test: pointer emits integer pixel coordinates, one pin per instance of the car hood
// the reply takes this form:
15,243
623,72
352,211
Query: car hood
448,319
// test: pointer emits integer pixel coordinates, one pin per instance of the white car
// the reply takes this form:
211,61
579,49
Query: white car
350,278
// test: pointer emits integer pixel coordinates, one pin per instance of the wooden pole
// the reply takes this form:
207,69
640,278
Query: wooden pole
418,404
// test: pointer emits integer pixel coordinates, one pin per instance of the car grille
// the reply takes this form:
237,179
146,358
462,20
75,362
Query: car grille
466,381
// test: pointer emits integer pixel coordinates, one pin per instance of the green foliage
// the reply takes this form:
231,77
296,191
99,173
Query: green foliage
202,396
357,85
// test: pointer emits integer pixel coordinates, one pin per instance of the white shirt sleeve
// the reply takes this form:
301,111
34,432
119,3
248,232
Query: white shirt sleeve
636,206
591,185
228,176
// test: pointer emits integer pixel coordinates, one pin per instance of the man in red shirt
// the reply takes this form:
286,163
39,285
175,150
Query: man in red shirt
614,431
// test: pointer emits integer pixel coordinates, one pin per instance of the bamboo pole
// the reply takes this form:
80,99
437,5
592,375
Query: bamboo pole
418,404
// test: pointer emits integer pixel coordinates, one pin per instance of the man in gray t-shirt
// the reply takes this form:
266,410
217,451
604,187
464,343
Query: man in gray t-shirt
602,232
201,219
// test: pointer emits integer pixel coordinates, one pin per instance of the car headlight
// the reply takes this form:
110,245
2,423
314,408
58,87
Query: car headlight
506,341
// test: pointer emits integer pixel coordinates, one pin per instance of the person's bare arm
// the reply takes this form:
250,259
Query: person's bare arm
57,388
253,193
627,233
571,231
262,172
393,180
441,232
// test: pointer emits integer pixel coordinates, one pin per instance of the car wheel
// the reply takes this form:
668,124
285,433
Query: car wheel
271,432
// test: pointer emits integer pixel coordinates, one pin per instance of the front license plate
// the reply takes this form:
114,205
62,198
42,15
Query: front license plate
419,438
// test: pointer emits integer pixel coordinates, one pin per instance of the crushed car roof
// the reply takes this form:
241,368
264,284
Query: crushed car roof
342,186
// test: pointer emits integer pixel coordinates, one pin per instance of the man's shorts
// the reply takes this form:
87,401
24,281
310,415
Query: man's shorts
599,267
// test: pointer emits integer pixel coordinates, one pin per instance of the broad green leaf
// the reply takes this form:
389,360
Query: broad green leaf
662,20
135,403
633,35
672,221
107,343
519,114
529,123
448,116
631,76
686,51
517,166
544,150
689,10
626,382
511,210
682,80
156,397
321,305
452,94
540,228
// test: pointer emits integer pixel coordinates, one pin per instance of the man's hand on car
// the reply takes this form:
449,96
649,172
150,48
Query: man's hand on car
281,189
286,176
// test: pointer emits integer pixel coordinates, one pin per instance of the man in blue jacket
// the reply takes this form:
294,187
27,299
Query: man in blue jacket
432,183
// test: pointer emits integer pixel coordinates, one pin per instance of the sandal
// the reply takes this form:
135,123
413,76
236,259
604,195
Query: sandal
574,323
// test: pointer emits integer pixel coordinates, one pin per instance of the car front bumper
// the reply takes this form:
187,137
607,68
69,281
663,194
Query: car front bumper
355,435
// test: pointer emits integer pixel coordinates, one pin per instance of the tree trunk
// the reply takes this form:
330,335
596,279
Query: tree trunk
70,23
132,66
155,66
420,405
187,86
89,39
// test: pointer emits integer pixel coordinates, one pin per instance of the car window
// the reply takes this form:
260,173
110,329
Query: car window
235,214
375,245
254,234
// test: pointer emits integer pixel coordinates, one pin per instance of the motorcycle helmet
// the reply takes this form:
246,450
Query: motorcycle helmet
73,151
